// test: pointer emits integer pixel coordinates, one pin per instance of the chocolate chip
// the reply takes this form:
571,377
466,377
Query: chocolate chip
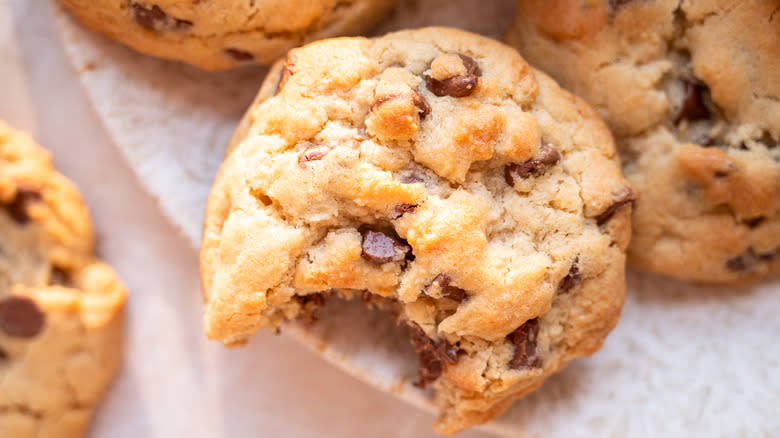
20,317
442,281
433,356
311,155
60,277
423,109
311,303
617,4
524,340
750,258
287,72
402,209
154,18
693,106
572,277
546,157
754,222
411,179
379,247
239,55
457,86
3,354
621,198
17,209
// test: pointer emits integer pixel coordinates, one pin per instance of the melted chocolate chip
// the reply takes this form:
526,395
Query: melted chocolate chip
240,55
379,247
546,157
154,18
524,340
311,155
754,222
457,86
693,106
411,179
287,72
402,209
423,109
17,209
571,279
621,198
433,356
20,317
311,303
3,354
750,258
447,290
617,4
60,277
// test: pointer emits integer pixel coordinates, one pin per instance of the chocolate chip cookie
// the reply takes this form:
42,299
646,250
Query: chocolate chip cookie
436,174
691,90
220,34
60,309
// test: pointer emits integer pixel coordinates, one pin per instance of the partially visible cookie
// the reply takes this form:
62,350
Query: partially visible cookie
691,90
60,308
220,34
435,174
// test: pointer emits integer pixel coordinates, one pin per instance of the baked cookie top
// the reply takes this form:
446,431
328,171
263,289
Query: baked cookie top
60,309
691,90
435,172
219,34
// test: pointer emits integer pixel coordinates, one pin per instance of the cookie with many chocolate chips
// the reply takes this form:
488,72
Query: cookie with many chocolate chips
453,185
220,34
60,308
691,90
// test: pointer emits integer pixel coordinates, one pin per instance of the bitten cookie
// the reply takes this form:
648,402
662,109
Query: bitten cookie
691,90
436,174
60,309
220,34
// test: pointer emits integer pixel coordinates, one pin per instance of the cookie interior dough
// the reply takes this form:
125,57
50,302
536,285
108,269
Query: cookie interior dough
691,90
435,174
221,34
60,308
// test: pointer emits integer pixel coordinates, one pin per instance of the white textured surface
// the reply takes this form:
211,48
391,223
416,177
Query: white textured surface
684,361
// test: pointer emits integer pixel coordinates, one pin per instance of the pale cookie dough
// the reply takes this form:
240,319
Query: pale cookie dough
60,308
436,174
220,34
691,90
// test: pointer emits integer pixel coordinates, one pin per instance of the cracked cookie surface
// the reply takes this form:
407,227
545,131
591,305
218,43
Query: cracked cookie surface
60,308
691,90
435,174
220,34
